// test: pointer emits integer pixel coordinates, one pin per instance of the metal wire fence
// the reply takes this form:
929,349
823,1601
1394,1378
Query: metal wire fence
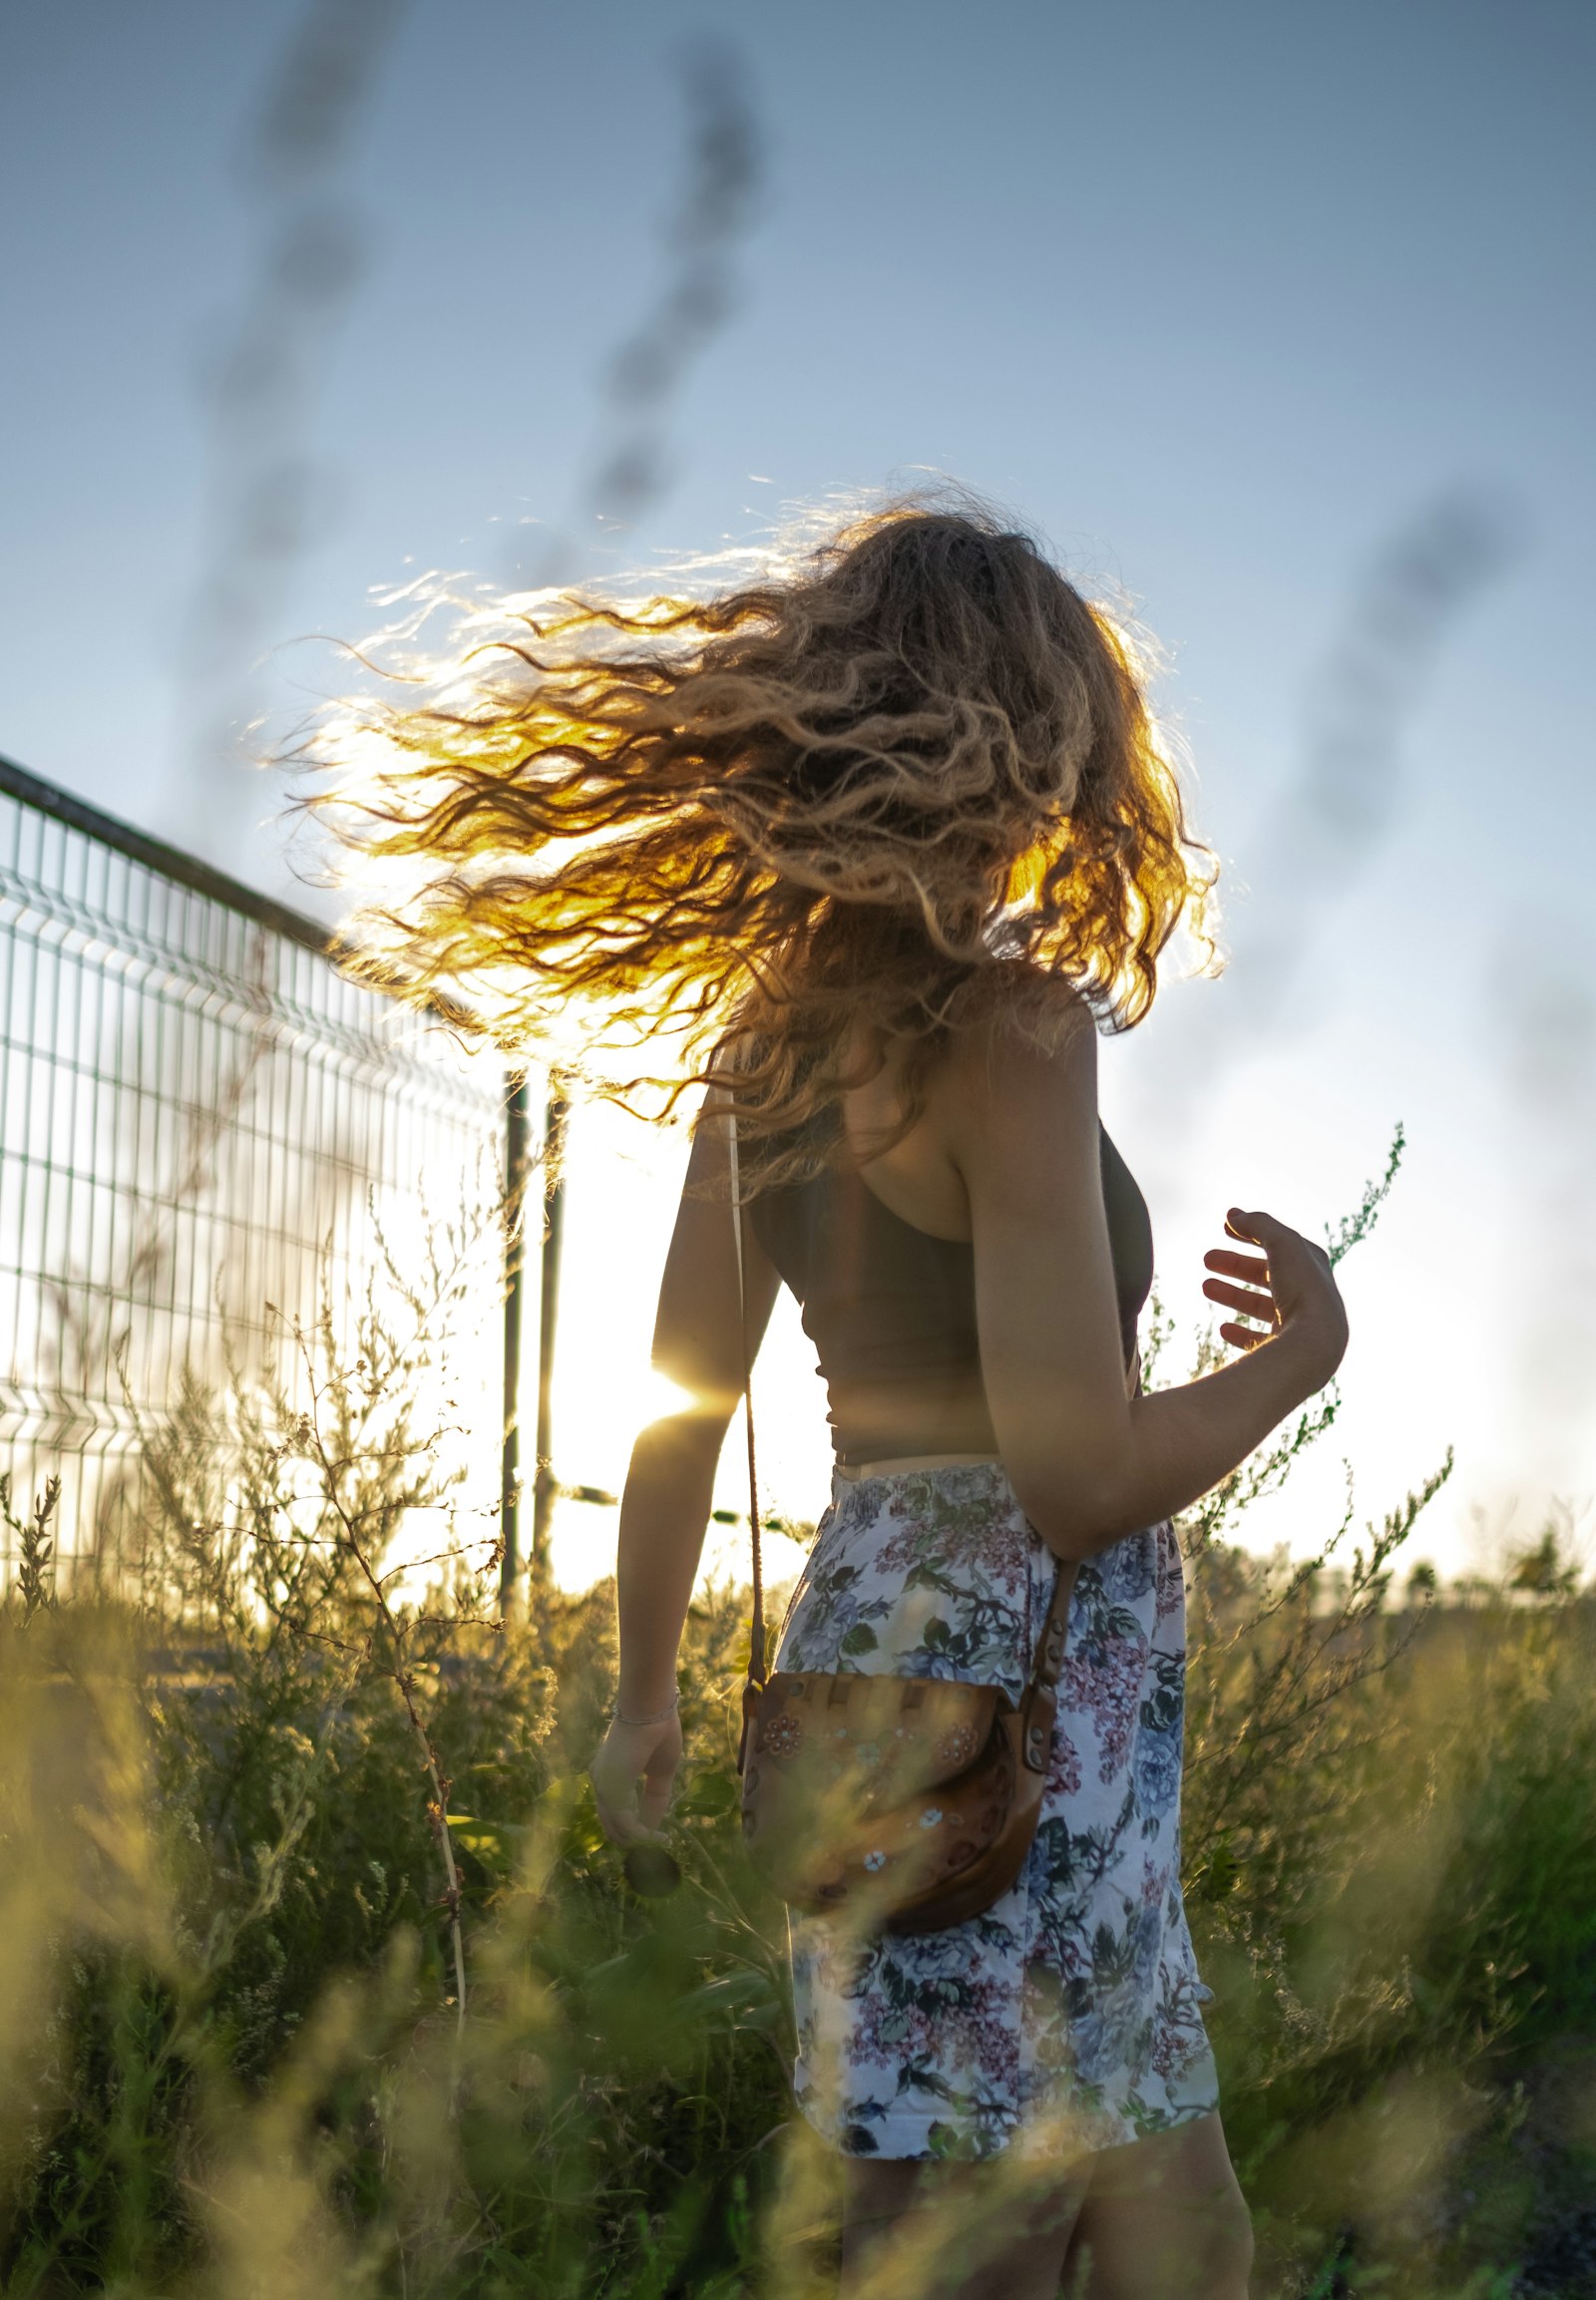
199,1117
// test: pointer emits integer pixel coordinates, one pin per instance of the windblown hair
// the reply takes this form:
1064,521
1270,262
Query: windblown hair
839,808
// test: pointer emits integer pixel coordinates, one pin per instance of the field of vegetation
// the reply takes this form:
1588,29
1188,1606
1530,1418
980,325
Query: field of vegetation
318,1975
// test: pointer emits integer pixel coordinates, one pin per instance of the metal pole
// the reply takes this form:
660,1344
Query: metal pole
518,1147
546,1488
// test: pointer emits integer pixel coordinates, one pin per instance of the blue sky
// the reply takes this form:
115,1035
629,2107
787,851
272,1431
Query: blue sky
1227,300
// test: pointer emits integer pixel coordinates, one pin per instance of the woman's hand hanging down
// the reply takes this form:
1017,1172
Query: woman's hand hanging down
632,1771
671,1487
1289,1287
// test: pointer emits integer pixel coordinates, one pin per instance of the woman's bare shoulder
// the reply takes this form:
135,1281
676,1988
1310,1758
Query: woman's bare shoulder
1016,1093
1027,1038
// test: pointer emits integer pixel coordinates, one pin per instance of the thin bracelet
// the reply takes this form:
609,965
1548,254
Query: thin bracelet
659,1717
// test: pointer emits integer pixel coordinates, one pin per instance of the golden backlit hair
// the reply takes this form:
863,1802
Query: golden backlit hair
844,805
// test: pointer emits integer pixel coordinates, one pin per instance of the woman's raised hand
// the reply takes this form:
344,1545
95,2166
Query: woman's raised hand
632,1771
1288,1289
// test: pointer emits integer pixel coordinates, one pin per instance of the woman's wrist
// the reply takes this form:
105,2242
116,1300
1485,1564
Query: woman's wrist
630,1716
1311,1352
646,1695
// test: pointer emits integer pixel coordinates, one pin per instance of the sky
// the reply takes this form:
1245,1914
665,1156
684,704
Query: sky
1275,323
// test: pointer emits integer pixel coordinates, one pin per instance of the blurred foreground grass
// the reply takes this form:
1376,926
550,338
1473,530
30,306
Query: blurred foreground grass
234,2062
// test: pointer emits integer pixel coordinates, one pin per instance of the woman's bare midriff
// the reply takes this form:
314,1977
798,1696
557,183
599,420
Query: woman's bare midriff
901,1427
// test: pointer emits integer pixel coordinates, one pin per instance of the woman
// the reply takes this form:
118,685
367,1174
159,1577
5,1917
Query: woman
888,839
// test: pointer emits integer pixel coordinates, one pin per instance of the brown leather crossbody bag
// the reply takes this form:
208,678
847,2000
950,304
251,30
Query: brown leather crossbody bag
903,1804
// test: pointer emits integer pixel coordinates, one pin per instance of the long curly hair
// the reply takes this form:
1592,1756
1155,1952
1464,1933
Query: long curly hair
836,809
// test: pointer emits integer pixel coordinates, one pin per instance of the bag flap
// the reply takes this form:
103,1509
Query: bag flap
892,1736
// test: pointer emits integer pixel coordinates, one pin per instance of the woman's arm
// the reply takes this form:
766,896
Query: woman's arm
1087,1463
671,1484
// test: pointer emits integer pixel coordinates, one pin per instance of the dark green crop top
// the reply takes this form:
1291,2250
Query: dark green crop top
891,1310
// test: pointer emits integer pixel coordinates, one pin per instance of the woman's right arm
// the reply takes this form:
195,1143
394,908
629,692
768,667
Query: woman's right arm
671,1484
1087,1463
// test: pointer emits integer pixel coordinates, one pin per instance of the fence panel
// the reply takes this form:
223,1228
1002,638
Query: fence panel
199,1116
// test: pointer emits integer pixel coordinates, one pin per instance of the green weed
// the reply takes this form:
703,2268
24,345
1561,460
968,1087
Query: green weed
320,1976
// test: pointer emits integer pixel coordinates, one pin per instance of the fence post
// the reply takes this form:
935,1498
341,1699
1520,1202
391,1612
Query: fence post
546,1487
518,1146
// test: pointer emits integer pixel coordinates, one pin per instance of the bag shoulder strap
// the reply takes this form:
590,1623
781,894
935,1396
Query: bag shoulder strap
757,1629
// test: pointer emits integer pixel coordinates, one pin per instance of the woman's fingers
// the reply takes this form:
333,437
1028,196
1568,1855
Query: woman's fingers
627,1756
615,1802
1240,1224
1298,1279
1258,1228
1242,1282
623,1823
654,1803
658,1778
617,1824
1251,1267
1241,1297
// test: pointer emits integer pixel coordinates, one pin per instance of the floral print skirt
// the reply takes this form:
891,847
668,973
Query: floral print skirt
1069,2015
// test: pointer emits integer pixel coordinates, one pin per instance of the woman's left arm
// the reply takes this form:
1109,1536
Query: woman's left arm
669,1487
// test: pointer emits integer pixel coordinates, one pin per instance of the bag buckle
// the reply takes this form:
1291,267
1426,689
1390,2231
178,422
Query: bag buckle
750,1710
1037,1716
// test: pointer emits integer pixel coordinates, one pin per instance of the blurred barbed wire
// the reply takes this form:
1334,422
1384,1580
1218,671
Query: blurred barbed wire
1354,776
268,496
631,469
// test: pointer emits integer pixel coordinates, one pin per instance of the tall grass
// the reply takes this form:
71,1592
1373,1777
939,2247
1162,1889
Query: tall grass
320,1976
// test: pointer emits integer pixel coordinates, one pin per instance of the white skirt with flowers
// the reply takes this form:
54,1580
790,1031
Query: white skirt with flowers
1069,2014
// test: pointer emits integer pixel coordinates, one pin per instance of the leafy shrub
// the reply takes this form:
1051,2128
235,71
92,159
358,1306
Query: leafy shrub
261,1814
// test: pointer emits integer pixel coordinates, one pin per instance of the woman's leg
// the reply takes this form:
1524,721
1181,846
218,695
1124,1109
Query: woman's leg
1158,2220
955,2232
1163,2220
876,2195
